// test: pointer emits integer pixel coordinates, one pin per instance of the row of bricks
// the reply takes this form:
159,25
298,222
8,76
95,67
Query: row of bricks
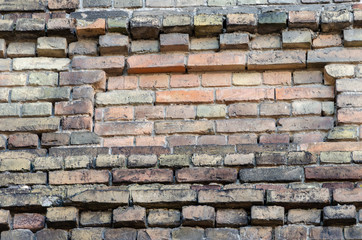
184,175
200,216
187,233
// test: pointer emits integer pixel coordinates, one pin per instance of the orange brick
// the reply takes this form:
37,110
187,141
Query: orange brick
78,177
156,63
150,141
117,113
320,92
154,81
122,83
244,94
110,64
118,141
222,61
216,80
149,112
91,29
185,96
327,40
350,115
184,80
277,78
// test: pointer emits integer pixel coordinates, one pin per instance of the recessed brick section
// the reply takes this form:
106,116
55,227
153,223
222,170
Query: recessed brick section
328,173
77,123
31,221
109,64
78,177
203,216
155,63
231,218
223,61
267,215
62,217
206,175
258,60
142,176
185,96
174,42
303,19
339,215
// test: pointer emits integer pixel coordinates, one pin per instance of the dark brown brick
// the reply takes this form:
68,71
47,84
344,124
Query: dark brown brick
31,221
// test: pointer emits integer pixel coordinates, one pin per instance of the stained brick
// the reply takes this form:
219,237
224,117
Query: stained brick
206,175
325,233
74,108
164,197
78,177
267,215
88,28
258,60
223,61
241,22
174,42
341,214
203,216
130,217
83,47
274,174
31,221
110,64
299,197
119,97
96,78
142,176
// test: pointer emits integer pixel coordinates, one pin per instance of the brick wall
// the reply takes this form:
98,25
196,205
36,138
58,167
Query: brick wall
177,119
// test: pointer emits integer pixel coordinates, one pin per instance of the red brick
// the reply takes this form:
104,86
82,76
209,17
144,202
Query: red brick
243,139
245,125
109,64
259,60
149,112
150,141
156,63
174,42
211,140
200,175
181,140
31,221
327,40
134,217
78,177
274,138
305,123
63,4
333,173
142,176
123,128
350,115
180,112
343,196
184,80
77,123
172,127
23,140
153,81
290,93
222,61
185,96
117,113
96,78
74,108
277,78
216,80
118,141
203,216
86,29
122,83
244,94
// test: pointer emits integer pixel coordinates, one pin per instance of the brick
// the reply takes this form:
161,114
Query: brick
327,40
211,111
41,63
118,97
275,174
239,160
145,27
200,44
164,197
299,197
335,20
207,160
335,157
4,95
347,196
333,71
300,158
303,19
180,112
276,60
172,127
23,140
130,217
149,112
43,79
117,113
2,48
245,125
294,232
331,146
274,138
243,94
267,215
225,61
216,80
236,22
349,115
305,123
150,141
231,197
76,162
21,49
155,233
142,176
141,150
15,163
118,141
89,29
109,64
243,109
321,57
113,44
184,81
206,175
74,108
52,47
352,38
120,233
185,96
63,4
83,92
266,42
231,218
247,79
325,233
302,216
96,78
51,233
111,161
234,41
128,4
269,22
307,77
211,140
17,234
83,47
277,78
341,214
357,156
55,139
156,63
48,163
86,233
174,161
332,173
208,25
9,110
185,233
31,27
12,79
306,107
61,27
5,220
29,124
163,218
348,85
297,39
123,128
177,23
145,46
98,3
5,65
78,177
271,158
119,24
96,219
203,216
153,81
353,232
290,93
249,233
22,178
349,100
174,42
40,93
211,149
31,221
77,123
122,83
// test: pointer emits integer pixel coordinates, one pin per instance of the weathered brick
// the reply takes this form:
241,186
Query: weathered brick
74,162
29,124
164,197
327,40
349,115
164,218
206,175
23,140
290,93
122,83
109,64
202,44
307,77
353,232
321,57
234,41
216,80
149,112
55,139
43,79
145,46
305,123
120,233
277,78
61,27
153,81
299,197
52,47
203,216
142,161
154,233
231,218
244,94
51,233
349,100
245,125
78,177
134,217
48,163
41,63
231,197
184,80
177,23
243,109
334,71
271,158
301,216
335,20
96,219
185,96
274,138
247,79
222,61
303,19
142,176
74,108
95,78
155,63
63,4
275,174
40,93
174,42
335,157
5,65
100,199
293,232
269,22
31,221
239,159
258,60
83,92
250,233
325,233
123,128
173,127
17,234
114,113
297,39
113,44
211,111
187,233
333,173
118,141
89,29
236,22
306,107
118,97
83,47
86,233
5,219
339,215
347,196
12,79
267,215
98,3
275,109
145,27
208,25
264,41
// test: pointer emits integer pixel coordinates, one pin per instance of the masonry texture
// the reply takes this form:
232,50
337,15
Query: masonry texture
180,119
